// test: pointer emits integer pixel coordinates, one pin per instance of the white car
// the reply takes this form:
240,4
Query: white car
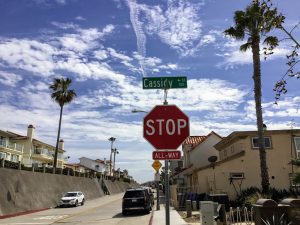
73,198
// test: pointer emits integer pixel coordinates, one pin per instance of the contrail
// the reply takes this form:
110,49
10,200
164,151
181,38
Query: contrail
140,36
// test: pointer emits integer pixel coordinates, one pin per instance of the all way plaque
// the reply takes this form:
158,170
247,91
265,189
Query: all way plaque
166,155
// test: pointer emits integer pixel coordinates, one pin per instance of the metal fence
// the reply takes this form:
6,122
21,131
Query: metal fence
66,171
240,216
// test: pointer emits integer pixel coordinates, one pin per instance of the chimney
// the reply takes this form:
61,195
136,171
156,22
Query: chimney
61,144
30,131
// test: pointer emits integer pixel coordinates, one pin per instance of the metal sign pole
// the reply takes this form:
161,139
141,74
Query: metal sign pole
167,196
167,192
157,196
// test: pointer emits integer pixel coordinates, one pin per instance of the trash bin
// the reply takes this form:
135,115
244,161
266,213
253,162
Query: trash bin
181,200
293,209
268,210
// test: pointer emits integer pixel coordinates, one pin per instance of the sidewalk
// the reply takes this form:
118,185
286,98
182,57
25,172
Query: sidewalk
159,217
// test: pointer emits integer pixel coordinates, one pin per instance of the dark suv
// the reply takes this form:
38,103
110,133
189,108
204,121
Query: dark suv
136,199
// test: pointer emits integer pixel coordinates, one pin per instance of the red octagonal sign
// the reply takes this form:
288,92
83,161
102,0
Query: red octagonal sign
166,127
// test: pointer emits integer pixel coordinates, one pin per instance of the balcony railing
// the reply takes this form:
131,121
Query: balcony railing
10,145
62,157
49,154
43,152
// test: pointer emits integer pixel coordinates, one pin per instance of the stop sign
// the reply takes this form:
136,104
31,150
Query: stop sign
166,127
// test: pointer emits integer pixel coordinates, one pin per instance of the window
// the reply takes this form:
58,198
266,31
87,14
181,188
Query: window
297,146
2,155
180,164
14,158
2,141
232,149
268,143
237,176
225,152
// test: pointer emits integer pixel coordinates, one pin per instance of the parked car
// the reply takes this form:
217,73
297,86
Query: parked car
136,200
150,195
73,198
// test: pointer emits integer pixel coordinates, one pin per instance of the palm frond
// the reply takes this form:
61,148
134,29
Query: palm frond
271,41
245,47
61,92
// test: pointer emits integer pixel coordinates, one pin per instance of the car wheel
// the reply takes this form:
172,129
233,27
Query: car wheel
124,212
76,203
82,203
147,211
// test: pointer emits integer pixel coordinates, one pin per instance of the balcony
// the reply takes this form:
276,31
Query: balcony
62,157
8,145
43,153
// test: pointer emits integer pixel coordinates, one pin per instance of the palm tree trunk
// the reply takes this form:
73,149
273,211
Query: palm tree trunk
57,141
259,121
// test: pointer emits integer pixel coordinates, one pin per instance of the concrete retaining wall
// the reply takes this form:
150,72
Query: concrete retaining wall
115,187
23,190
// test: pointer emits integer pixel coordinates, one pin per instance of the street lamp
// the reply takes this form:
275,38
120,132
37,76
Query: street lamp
138,110
111,139
115,152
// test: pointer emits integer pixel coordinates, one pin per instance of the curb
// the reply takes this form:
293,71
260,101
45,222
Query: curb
22,213
151,218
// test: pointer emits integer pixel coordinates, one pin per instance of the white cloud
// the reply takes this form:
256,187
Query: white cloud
138,29
28,55
65,26
80,18
118,55
232,56
100,54
9,79
179,25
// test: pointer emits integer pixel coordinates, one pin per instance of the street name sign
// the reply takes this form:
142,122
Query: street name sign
166,155
165,127
164,82
156,165
157,177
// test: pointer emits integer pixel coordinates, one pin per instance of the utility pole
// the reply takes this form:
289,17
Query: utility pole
291,124
111,139
115,152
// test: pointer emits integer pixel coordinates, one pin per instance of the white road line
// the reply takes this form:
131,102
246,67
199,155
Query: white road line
50,217
26,223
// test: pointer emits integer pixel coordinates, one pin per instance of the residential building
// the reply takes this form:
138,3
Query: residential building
197,150
76,167
30,151
239,164
10,147
97,165
176,167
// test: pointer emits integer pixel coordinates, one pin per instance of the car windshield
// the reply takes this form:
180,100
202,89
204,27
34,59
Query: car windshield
70,194
134,194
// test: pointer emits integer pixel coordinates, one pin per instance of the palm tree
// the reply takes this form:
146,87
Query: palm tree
256,22
62,95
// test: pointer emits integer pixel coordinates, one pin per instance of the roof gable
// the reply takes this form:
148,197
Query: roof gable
194,141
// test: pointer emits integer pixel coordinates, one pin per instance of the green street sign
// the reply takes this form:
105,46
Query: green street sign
164,82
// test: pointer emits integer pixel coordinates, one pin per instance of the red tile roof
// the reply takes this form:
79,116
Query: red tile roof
194,140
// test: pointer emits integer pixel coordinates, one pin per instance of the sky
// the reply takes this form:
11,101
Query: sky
107,46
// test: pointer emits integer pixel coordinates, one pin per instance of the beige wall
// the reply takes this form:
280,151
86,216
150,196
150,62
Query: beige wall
278,158
199,155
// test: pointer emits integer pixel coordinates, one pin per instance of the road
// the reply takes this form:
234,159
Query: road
105,210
